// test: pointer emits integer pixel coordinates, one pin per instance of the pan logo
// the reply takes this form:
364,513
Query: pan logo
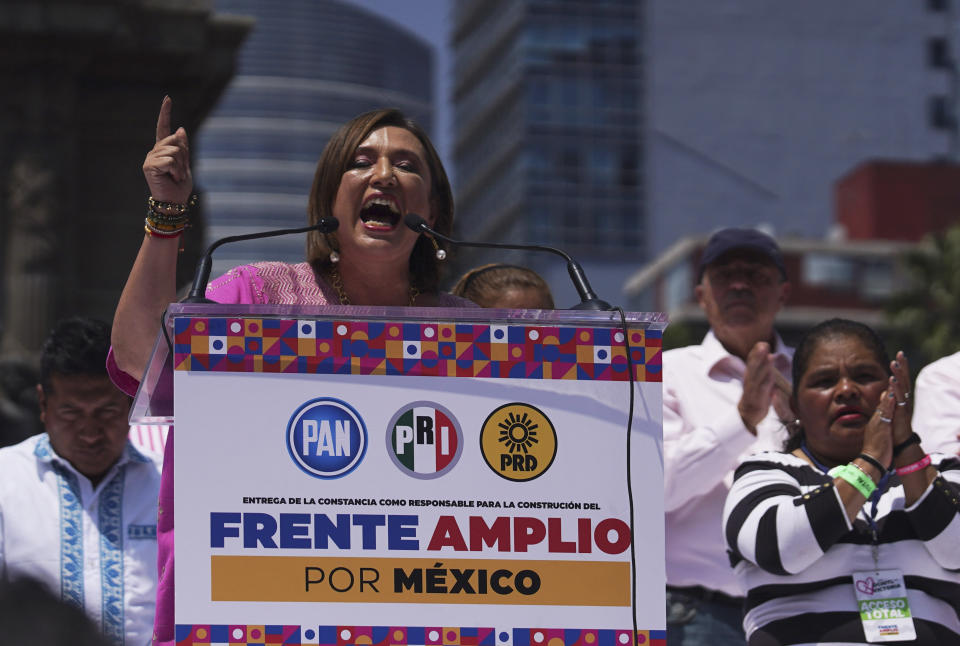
326,438
518,441
424,440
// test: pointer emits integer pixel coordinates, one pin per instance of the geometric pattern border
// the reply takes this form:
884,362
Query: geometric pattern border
278,345
261,635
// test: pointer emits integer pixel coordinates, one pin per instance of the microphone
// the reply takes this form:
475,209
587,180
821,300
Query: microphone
202,275
588,299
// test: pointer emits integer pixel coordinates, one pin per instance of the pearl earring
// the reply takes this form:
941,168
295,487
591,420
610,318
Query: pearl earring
334,257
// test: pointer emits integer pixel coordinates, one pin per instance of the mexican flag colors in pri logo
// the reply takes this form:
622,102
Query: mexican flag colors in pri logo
424,440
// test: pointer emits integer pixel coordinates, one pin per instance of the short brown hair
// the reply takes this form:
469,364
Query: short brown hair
485,284
334,162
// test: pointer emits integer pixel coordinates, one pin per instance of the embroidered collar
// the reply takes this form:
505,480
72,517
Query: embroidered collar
45,453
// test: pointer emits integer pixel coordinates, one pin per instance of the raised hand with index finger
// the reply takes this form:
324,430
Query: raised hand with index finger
167,165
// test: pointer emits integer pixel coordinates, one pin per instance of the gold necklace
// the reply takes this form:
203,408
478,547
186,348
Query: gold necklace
337,284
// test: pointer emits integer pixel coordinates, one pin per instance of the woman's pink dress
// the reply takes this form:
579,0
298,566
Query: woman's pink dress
273,283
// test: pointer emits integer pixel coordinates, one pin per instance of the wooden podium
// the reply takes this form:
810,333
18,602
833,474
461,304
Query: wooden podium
361,475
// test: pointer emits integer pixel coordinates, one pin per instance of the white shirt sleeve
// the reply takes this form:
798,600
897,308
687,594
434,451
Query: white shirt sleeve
3,558
697,459
936,410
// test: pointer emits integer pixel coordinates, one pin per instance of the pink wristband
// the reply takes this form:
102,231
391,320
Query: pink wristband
916,466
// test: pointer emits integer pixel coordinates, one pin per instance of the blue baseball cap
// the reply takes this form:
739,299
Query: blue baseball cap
752,241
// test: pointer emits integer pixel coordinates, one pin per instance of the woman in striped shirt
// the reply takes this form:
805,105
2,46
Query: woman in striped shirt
852,534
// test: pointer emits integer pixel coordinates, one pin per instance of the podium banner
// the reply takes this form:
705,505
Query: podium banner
343,481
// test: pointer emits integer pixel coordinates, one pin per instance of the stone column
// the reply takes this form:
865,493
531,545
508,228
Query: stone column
83,81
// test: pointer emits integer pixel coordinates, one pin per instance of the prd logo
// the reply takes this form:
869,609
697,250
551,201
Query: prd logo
518,441
424,439
326,438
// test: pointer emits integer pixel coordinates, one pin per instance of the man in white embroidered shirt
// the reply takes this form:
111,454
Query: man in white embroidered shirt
719,401
78,504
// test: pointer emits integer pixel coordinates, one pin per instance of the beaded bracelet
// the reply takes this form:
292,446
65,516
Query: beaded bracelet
153,231
166,226
176,207
922,463
169,217
857,478
166,217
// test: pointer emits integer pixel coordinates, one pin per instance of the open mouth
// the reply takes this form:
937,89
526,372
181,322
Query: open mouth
380,214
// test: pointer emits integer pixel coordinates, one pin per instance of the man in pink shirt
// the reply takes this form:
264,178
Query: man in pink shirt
720,403
936,408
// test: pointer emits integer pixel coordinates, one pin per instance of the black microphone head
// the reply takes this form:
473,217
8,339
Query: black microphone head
415,222
327,225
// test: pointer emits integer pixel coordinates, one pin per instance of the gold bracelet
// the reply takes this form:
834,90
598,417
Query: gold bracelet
162,233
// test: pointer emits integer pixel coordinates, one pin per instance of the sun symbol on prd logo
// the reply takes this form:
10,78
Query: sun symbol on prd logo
519,432
518,442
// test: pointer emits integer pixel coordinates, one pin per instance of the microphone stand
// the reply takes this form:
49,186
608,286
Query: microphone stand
588,298
202,275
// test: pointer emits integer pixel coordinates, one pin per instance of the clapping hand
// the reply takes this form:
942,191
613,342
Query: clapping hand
903,407
890,423
763,385
781,398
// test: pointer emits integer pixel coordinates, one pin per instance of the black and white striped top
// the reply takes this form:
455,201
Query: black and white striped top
794,550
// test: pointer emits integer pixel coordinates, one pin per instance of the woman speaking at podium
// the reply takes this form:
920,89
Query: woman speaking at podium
378,167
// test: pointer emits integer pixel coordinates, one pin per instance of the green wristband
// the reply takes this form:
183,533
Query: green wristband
857,478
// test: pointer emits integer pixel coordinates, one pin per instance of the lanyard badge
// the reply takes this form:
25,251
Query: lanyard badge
881,594
884,607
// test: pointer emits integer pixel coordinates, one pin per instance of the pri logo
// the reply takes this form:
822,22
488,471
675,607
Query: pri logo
424,440
518,442
326,438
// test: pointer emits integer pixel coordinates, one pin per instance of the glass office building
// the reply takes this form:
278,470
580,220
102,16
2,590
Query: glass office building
306,68
548,119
